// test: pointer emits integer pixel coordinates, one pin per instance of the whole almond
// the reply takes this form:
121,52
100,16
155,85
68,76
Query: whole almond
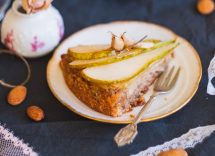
205,6
174,152
117,43
17,95
35,113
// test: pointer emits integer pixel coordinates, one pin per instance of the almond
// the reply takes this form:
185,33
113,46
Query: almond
35,113
174,152
117,43
205,6
127,41
17,95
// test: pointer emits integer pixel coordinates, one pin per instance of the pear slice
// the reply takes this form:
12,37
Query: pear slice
84,52
152,40
104,60
116,58
126,69
148,43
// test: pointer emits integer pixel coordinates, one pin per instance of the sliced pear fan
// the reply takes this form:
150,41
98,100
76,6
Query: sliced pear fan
119,57
116,58
126,69
86,52
90,51
104,60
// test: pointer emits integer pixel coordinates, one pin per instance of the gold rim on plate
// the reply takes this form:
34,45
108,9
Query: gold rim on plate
185,101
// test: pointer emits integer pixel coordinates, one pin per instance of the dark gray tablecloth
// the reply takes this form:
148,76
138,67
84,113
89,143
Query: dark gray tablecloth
65,133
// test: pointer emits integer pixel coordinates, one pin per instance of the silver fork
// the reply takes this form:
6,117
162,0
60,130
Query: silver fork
164,83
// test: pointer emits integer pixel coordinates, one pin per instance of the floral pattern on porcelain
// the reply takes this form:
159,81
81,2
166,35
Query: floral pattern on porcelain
8,40
36,44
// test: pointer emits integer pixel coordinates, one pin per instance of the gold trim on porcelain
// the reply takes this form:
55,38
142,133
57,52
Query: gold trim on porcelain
184,102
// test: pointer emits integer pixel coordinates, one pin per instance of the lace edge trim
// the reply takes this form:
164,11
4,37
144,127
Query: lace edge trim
209,129
17,142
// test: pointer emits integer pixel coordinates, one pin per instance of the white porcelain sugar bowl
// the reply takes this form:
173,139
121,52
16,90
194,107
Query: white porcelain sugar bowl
32,35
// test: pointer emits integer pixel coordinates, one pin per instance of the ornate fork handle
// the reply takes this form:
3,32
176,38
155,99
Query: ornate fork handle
138,118
127,134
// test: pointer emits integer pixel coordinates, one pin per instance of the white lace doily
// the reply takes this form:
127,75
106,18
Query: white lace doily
187,140
211,75
11,145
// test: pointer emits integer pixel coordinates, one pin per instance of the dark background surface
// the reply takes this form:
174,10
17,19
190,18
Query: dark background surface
65,133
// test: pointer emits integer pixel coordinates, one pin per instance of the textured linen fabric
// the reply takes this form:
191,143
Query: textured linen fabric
65,133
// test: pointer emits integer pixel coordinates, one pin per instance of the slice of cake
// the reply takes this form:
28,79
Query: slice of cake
115,81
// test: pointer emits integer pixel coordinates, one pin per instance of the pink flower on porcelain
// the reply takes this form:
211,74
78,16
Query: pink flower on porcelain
37,44
61,28
8,40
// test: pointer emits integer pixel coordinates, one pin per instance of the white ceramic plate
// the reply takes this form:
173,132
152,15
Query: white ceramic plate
185,56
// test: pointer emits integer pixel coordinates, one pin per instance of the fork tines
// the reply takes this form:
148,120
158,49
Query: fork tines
167,79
